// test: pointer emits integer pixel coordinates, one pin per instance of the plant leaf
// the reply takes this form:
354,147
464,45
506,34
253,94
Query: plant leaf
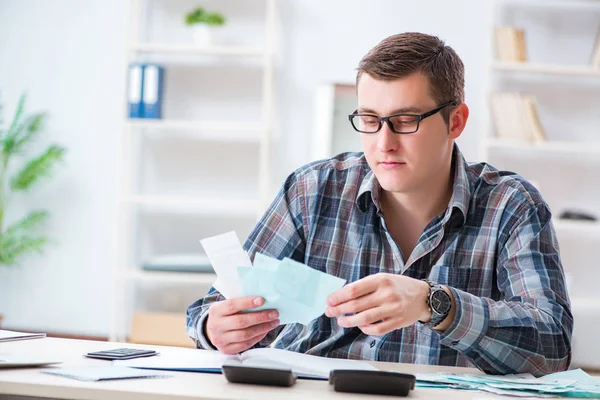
31,221
24,133
14,247
18,114
1,122
37,168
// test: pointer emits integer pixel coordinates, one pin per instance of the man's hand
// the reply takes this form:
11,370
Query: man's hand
232,331
382,303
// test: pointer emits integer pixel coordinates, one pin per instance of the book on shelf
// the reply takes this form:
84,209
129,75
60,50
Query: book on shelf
596,52
516,117
510,44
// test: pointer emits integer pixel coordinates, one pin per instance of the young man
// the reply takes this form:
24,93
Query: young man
448,262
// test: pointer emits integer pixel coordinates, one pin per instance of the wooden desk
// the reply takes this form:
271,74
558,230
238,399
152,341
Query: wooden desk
182,385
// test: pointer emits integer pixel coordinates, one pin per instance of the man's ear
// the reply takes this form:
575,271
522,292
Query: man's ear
458,120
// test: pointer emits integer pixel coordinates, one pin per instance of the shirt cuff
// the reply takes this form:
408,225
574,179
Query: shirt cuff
470,322
202,340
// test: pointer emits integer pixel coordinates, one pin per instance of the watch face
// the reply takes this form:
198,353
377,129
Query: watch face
440,302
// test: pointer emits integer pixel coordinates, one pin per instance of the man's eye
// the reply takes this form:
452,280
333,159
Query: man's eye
369,120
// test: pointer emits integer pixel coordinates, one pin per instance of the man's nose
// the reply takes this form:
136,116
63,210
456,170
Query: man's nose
387,140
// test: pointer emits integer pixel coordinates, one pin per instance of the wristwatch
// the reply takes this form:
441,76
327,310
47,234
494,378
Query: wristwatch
439,302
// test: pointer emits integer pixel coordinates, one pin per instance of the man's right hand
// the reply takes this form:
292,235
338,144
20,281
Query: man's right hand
232,331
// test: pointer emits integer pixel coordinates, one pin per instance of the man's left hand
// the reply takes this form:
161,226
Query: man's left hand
380,303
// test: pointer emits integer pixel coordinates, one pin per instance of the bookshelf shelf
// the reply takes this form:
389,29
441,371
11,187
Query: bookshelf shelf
185,49
584,227
174,167
547,69
216,131
557,146
584,303
583,5
171,277
241,207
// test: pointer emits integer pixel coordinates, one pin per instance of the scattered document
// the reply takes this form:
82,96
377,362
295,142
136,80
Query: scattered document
9,336
295,290
226,254
303,365
103,373
573,383
21,361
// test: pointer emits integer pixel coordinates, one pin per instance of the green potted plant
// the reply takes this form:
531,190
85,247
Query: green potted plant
202,23
19,173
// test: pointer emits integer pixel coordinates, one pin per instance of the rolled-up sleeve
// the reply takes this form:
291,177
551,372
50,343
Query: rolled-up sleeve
530,328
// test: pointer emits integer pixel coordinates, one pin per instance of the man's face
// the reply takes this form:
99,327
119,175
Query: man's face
404,163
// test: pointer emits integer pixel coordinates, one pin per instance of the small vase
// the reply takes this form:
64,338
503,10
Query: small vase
202,35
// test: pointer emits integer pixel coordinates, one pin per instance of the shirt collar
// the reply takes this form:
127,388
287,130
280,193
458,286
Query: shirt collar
461,192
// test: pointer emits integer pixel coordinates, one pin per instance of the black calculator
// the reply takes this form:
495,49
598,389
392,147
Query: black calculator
121,354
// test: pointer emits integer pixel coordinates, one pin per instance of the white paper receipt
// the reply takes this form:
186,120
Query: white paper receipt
226,254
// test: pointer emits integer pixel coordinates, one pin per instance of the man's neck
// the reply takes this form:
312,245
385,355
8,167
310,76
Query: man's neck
422,205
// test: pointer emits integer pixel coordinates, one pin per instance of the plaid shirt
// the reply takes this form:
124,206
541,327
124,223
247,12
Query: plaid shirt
494,247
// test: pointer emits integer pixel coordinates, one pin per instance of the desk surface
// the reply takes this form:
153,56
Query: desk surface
182,385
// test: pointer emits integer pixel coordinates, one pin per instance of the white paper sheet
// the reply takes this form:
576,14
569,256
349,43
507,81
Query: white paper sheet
211,361
226,254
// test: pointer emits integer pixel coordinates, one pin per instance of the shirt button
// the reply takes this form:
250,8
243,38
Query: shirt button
373,343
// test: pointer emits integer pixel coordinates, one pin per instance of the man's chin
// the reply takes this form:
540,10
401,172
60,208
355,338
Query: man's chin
395,187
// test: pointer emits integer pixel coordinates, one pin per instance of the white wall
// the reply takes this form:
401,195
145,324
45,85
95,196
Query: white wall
70,56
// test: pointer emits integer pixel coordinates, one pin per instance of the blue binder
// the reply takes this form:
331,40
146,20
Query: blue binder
152,91
134,94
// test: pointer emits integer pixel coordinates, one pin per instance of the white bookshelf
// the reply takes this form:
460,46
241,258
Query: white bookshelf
567,164
150,213
202,206
159,48
553,146
245,128
556,5
547,69
205,279
590,228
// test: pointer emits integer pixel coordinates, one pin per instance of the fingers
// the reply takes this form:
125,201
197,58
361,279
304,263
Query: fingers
247,320
232,342
232,332
353,306
352,291
367,317
381,328
236,348
234,306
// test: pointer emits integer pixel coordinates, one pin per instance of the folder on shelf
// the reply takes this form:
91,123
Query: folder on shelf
510,44
516,118
134,95
152,91
534,125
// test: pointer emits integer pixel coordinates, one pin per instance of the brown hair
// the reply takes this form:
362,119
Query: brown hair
401,55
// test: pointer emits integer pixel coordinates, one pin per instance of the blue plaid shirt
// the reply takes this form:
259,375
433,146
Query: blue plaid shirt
494,246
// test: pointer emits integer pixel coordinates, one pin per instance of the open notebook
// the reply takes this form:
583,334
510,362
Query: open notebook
303,365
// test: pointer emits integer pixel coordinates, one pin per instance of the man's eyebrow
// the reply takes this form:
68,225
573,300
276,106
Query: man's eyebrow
412,110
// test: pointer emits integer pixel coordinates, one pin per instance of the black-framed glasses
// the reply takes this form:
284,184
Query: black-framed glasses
398,123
